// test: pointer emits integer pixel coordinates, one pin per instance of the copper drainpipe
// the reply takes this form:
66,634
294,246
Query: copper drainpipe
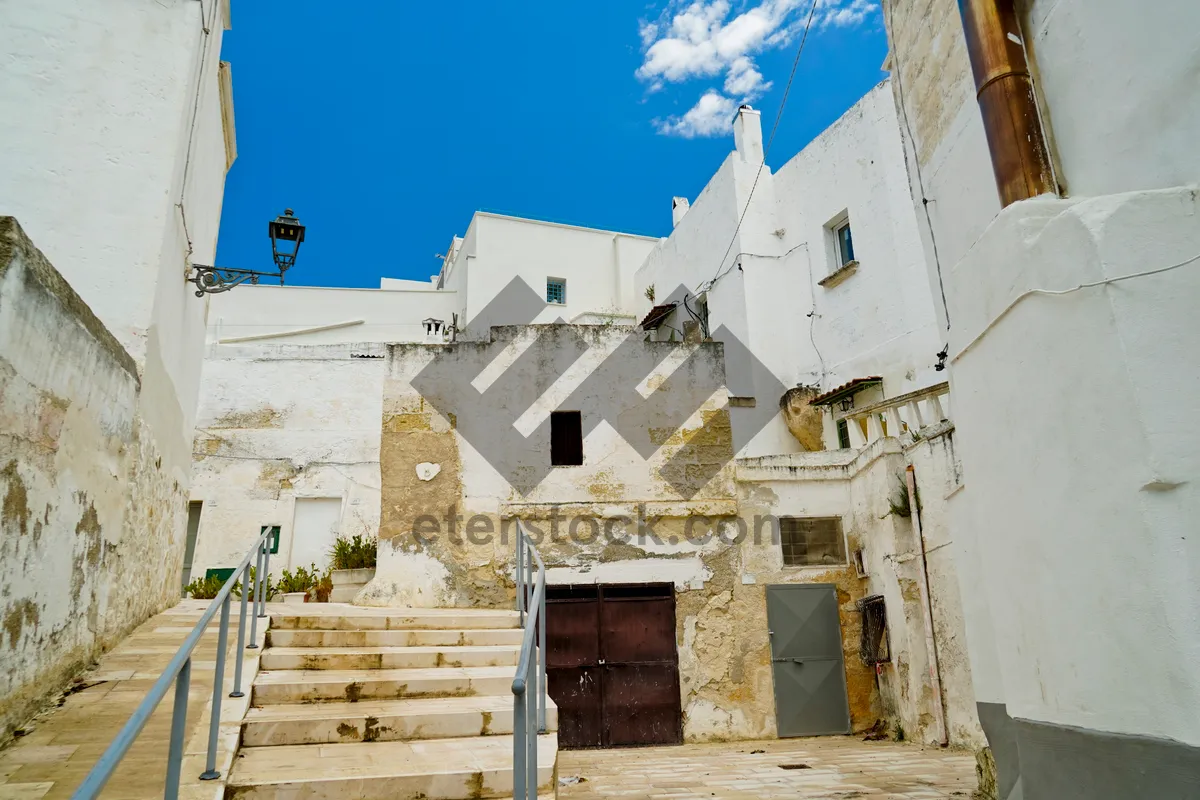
1020,154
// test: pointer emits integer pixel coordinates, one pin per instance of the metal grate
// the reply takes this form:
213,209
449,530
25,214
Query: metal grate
873,647
556,290
812,541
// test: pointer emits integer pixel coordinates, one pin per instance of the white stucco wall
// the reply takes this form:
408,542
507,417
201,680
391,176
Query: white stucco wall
113,137
269,313
277,423
880,320
1121,85
1083,511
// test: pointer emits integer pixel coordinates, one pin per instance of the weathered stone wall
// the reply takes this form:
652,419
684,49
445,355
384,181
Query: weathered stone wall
615,519
867,490
90,533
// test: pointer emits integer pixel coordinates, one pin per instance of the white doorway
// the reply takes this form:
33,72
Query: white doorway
313,531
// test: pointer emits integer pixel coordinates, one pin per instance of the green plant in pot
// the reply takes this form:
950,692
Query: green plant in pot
352,559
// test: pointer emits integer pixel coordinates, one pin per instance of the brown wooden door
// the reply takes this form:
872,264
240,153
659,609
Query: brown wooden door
612,666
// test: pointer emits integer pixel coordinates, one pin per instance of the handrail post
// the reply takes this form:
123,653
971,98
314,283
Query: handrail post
520,574
241,648
531,742
529,586
266,576
542,656
178,724
246,587
519,734
211,773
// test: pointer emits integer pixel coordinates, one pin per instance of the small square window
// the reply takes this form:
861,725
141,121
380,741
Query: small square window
566,438
812,541
556,291
845,244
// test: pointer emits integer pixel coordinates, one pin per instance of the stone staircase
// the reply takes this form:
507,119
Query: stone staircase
362,703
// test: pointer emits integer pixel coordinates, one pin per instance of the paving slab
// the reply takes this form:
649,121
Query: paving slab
62,744
822,768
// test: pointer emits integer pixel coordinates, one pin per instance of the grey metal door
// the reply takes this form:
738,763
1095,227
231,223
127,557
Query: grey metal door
806,660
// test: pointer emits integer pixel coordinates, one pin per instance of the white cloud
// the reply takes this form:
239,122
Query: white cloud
700,40
712,115
744,80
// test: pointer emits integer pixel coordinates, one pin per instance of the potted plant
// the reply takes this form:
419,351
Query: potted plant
296,586
353,562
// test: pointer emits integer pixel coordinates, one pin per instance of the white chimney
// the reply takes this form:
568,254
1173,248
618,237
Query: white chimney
679,207
747,135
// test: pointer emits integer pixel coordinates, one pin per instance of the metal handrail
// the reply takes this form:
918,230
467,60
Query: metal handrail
179,672
531,668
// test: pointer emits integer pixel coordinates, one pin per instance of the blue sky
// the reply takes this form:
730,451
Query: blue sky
386,127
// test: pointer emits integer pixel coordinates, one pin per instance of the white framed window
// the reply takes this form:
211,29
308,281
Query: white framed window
556,291
839,249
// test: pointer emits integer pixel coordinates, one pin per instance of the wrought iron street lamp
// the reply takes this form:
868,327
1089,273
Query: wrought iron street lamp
284,229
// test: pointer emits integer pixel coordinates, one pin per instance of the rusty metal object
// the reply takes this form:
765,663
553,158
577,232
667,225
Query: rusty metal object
1016,139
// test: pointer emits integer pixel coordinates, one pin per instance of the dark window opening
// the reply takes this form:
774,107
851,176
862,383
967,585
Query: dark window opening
843,434
566,438
812,541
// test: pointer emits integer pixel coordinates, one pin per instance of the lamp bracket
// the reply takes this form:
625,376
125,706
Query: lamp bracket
212,280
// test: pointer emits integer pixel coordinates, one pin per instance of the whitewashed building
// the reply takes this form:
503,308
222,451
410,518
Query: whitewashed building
817,266
117,126
1070,255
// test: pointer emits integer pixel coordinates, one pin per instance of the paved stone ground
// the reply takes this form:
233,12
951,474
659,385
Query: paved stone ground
834,768
52,759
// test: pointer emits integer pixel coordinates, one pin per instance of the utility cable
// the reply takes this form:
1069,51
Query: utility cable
937,261
1060,292
766,152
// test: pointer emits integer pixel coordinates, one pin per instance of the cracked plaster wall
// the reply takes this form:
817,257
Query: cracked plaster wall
279,422
725,668
90,534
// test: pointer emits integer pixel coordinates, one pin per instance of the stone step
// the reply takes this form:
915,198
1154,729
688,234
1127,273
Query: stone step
434,769
383,720
396,638
348,618
388,657
352,685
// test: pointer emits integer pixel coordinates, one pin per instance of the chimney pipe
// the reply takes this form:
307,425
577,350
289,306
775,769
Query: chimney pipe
679,207
747,135
1016,139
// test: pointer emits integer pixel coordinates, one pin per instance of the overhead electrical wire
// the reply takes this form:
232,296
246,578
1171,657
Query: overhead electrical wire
704,287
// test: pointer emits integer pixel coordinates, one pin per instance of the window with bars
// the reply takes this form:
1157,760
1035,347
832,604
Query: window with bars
556,291
873,646
812,541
